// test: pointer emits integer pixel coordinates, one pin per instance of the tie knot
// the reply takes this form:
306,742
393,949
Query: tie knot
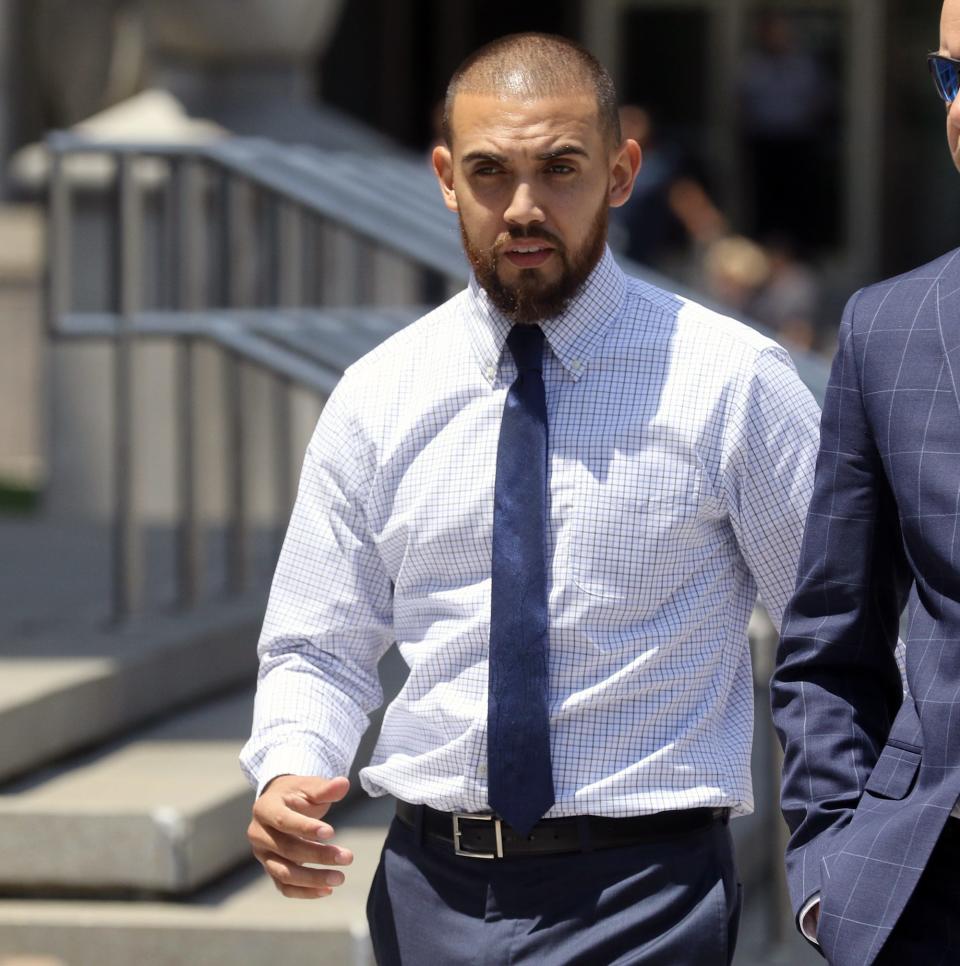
526,345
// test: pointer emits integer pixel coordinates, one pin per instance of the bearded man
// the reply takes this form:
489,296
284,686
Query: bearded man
559,493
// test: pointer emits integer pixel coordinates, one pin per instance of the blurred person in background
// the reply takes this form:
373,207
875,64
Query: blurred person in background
669,210
559,493
871,777
764,283
788,300
735,268
785,98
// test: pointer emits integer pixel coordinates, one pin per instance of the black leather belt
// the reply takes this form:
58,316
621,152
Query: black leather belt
488,837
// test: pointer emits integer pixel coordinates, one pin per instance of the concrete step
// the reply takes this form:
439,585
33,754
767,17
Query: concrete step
162,811
241,921
67,689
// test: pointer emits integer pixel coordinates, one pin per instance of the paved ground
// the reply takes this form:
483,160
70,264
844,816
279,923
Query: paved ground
755,947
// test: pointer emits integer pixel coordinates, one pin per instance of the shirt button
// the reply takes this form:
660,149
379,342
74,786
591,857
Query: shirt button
491,373
481,771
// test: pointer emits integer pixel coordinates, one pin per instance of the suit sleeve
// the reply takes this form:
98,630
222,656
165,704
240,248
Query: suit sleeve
837,688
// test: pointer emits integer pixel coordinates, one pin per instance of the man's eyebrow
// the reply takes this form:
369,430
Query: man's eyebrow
562,152
484,156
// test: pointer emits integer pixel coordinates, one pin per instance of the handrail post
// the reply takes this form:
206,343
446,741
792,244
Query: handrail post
127,556
290,264
186,268
290,277
234,280
60,239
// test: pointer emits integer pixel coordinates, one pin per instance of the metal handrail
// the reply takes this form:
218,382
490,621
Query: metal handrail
244,221
208,301
349,189
273,339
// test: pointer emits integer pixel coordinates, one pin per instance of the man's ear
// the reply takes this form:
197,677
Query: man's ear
443,167
625,164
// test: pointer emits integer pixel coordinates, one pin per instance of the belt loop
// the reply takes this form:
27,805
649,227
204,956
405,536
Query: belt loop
583,833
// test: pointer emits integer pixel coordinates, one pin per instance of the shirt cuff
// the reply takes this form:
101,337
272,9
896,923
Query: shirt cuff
807,926
291,761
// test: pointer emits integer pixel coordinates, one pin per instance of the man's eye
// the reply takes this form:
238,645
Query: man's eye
486,171
560,169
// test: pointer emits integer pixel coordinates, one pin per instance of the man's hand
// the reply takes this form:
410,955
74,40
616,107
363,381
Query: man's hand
287,833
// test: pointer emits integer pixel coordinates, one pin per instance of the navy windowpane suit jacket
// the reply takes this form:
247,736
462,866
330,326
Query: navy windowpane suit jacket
871,774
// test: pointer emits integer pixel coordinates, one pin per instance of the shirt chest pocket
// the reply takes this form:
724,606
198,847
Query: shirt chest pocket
639,530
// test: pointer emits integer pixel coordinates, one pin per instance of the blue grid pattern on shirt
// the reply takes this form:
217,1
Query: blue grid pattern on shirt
682,448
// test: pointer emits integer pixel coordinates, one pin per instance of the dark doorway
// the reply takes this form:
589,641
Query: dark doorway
390,60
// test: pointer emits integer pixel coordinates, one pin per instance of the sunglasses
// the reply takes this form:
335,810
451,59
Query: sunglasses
946,76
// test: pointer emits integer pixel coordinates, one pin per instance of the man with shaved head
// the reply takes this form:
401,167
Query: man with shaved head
871,776
559,493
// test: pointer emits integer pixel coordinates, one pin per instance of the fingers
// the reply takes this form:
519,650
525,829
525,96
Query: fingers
295,805
295,892
288,875
284,859
314,796
275,814
266,841
320,791
287,835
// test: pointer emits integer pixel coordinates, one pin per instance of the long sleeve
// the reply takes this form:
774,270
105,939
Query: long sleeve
837,686
771,450
328,620
681,451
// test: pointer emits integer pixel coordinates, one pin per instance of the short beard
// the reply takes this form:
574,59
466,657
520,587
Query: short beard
531,299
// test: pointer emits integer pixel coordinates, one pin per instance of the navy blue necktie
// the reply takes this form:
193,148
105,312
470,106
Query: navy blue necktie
520,775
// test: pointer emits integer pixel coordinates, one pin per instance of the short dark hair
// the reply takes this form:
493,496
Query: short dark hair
534,65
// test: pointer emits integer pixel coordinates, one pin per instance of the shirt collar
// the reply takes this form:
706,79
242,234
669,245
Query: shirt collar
574,335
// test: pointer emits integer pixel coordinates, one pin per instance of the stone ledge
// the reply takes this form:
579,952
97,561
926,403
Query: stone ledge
163,811
242,921
63,692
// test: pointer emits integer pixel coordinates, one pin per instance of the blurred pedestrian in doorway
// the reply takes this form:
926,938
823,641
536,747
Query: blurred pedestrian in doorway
669,212
785,98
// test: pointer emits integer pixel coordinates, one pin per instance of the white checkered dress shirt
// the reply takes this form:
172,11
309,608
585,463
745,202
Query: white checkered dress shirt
682,448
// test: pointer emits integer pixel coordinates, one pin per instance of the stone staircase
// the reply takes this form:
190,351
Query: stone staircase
239,919
122,805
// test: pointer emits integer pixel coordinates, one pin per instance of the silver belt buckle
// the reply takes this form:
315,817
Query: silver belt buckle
497,831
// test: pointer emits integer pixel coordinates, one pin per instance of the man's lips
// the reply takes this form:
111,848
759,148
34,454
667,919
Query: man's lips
527,253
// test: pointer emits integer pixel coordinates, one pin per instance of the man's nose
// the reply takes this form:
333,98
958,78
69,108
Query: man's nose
524,208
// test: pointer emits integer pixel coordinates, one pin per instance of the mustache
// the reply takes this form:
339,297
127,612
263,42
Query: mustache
532,234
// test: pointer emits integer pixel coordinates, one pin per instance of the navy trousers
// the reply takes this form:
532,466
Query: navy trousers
928,930
675,902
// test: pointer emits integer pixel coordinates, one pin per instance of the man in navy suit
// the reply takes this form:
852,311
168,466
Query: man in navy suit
872,768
